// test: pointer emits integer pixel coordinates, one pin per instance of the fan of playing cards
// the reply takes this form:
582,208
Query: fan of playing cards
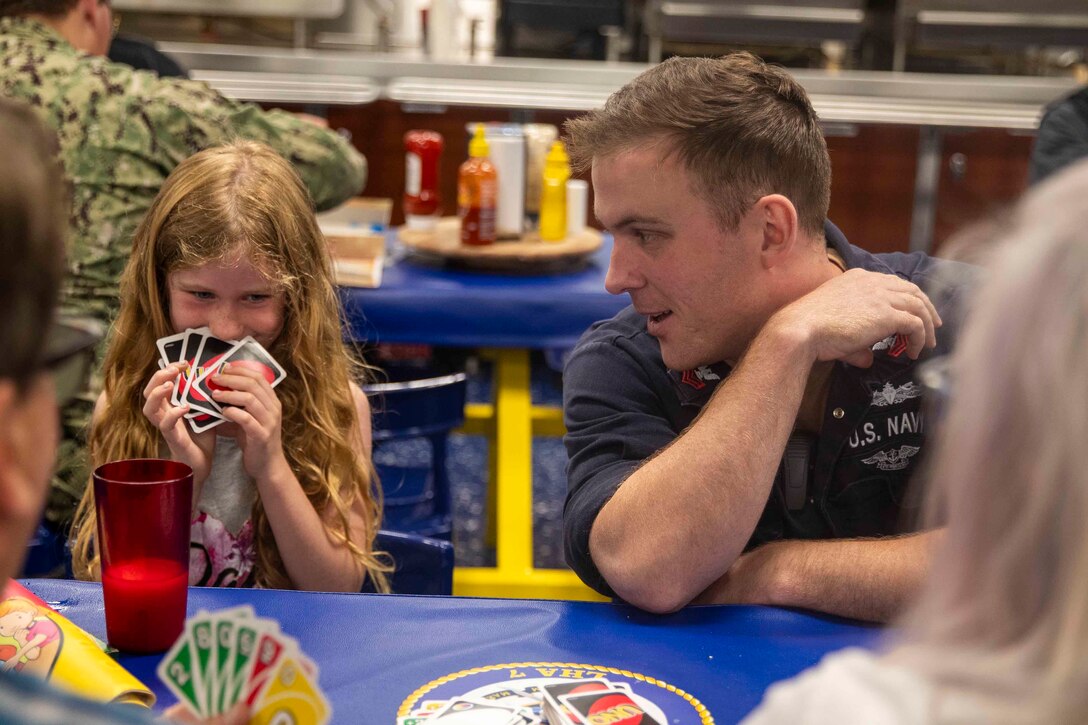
561,702
204,354
231,655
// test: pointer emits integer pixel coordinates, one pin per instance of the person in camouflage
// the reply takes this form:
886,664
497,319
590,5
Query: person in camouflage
122,132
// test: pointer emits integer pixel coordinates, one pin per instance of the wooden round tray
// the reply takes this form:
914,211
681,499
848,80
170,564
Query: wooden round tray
527,254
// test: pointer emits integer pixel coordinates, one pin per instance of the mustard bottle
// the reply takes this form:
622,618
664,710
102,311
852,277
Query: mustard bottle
477,193
553,196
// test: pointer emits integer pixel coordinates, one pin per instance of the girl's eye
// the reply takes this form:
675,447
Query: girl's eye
257,298
202,295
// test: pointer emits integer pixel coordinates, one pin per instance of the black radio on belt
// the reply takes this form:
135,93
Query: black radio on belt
796,469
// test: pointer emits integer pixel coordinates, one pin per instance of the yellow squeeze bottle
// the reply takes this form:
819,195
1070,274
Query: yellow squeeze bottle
553,196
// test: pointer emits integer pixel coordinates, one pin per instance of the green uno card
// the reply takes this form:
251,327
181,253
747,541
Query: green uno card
177,672
245,639
203,638
227,622
224,647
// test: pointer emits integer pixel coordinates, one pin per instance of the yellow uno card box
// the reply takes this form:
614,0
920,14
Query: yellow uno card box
37,640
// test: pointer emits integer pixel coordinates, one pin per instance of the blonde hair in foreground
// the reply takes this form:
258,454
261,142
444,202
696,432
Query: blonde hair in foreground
220,204
1003,617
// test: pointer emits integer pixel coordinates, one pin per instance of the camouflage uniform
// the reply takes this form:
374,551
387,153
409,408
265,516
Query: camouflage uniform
121,132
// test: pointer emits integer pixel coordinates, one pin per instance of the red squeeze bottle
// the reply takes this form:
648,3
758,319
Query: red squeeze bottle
422,150
477,193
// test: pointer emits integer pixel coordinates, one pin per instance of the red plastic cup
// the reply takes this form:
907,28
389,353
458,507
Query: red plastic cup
143,508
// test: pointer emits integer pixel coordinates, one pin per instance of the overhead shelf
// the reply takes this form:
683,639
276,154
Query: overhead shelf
277,8
336,77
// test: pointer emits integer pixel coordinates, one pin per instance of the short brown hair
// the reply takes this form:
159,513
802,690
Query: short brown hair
52,8
743,129
33,224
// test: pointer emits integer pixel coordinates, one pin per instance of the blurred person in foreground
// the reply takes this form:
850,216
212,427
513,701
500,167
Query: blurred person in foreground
121,133
37,372
746,430
1000,630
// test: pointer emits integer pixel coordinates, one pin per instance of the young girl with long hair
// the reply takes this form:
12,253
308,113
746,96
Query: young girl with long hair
284,492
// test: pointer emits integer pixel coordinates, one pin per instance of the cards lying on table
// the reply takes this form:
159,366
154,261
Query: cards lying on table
571,702
204,354
231,655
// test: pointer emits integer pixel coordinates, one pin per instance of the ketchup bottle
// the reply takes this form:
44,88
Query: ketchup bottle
422,150
477,193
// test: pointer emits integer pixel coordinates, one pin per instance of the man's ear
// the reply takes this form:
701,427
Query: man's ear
20,497
777,218
89,7
18,494
10,473
86,9
9,398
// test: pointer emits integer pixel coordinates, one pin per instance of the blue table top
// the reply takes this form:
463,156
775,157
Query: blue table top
381,653
421,303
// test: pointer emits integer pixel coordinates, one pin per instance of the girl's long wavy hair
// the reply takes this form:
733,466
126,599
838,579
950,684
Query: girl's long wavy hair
223,203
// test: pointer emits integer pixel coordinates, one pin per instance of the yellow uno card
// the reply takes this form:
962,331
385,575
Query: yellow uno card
291,697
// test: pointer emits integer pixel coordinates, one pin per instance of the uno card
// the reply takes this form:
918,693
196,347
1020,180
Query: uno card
172,350
246,354
249,354
200,631
227,623
291,697
178,671
512,698
208,358
611,706
171,347
268,652
245,644
462,711
189,349
429,707
201,412
554,691
204,421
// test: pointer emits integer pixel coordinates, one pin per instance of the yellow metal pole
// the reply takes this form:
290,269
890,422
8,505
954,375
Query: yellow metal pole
537,584
510,424
514,462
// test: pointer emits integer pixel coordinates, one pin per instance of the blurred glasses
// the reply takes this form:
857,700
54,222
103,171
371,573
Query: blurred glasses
69,354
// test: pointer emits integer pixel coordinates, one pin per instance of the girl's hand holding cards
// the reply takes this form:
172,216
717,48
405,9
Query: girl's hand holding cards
204,354
196,450
193,386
